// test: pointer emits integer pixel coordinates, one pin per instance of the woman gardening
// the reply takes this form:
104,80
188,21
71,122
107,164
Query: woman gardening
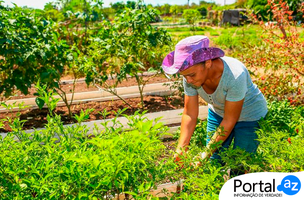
235,103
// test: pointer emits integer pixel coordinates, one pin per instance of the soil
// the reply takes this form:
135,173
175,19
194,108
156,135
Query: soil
82,86
36,118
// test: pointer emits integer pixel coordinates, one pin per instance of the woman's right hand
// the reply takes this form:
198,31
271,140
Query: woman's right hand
178,156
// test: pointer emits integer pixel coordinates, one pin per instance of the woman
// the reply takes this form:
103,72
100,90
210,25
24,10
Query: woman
235,103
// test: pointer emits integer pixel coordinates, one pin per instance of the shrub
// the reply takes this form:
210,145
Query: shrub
191,16
29,51
66,163
280,54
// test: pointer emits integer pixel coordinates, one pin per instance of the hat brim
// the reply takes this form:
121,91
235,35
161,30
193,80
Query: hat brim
197,56
168,64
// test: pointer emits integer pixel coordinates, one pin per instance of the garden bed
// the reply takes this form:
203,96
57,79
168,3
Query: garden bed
156,89
81,86
36,118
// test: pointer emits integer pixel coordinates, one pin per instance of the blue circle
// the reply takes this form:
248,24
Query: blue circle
290,185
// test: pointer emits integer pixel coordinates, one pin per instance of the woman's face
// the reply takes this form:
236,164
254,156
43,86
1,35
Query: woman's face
195,75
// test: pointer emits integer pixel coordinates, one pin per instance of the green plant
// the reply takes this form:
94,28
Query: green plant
199,135
280,55
238,39
280,137
61,162
203,11
191,16
282,116
29,50
15,124
46,96
175,9
129,46
84,115
65,162
80,19
176,86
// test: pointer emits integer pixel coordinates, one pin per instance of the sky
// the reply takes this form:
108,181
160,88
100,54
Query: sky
40,3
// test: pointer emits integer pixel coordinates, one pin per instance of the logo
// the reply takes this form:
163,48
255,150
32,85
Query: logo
290,185
264,185
254,187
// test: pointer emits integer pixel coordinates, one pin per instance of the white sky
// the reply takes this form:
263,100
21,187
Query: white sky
40,3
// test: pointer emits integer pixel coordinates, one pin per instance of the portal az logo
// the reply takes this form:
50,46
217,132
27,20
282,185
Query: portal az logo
290,185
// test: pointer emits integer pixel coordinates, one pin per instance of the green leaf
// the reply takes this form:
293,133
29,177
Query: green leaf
40,102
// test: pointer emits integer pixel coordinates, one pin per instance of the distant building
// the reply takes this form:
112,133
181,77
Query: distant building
234,17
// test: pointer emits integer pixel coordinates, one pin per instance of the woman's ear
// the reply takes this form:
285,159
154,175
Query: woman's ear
208,64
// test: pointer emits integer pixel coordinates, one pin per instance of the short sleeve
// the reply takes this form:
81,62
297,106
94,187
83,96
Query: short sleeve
189,91
237,88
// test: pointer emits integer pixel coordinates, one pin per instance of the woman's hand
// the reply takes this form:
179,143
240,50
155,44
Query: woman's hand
199,159
179,155
203,155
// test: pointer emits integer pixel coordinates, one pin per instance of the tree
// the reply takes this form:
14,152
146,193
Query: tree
131,4
79,5
241,3
129,46
165,9
118,6
175,9
80,16
52,13
259,7
30,51
205,3
49,6
191,16
203,11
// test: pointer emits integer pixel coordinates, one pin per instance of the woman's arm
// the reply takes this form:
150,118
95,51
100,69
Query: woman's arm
232,113
189,120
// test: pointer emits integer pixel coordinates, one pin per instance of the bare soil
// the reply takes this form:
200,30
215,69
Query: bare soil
36,118
80,87
83,87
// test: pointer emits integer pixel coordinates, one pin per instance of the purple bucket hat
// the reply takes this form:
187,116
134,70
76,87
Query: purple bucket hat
188,52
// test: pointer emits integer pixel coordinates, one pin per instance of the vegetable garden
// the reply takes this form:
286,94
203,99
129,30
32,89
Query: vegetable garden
48,150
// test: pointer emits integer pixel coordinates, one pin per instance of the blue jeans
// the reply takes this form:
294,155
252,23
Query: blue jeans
243,134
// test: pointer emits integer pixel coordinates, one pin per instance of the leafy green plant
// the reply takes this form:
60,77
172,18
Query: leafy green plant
29,50
238,38
282,116
279,54
15,124
46,97
129,46
78,26
176,86
191,16
199,135
84,115
280,137
61,162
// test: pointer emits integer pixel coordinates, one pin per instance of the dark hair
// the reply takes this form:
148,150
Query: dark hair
203,63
